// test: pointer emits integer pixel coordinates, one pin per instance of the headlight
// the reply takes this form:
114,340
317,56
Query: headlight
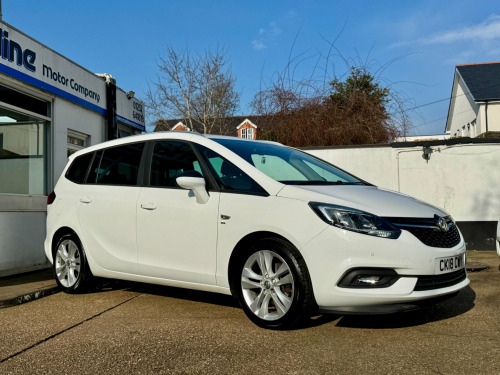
355,220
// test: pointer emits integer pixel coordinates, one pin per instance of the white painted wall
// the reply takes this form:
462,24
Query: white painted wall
494,116
462,179
21,247
464,111
71,116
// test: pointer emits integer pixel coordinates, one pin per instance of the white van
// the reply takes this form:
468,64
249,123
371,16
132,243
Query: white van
284,232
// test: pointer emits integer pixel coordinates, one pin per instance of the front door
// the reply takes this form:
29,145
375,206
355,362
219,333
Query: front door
177,237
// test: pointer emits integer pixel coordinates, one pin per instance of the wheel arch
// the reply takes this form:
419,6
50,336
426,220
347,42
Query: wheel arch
244,244
58,234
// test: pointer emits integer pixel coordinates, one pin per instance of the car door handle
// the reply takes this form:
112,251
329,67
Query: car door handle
85,199
148,206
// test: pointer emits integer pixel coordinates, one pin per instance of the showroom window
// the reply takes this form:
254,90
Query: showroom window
24,125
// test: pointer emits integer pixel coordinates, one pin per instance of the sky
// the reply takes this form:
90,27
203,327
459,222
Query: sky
412,47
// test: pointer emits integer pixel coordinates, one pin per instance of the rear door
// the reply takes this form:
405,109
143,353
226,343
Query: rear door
107,207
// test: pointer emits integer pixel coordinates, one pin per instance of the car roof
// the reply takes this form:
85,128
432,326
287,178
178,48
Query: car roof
181,135
214,136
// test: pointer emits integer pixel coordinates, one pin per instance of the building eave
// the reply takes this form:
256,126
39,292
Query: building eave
244,122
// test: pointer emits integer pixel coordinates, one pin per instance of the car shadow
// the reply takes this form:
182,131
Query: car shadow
450,308
455,306
185,294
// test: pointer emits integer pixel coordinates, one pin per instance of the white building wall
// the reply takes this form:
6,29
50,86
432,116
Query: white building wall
71,116
463,112
32,255
493,116
374,165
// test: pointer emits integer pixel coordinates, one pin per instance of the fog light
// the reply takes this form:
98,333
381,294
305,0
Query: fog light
372,280
368,278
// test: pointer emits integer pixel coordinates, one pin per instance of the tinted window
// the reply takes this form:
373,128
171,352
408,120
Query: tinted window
94,168
229,176
120,165
170,159
79,167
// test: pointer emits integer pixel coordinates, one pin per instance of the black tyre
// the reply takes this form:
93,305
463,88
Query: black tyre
272,284
71,269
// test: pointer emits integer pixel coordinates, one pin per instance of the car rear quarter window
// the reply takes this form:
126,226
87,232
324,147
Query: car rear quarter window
79,167
119,165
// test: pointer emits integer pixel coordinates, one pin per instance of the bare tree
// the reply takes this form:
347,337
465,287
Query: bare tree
200,90
325,109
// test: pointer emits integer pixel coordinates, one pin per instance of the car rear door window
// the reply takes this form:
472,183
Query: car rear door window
120,165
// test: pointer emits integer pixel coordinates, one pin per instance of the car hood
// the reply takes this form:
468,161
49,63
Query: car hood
371,199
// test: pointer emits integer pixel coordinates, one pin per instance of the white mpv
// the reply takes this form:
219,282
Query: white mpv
287,234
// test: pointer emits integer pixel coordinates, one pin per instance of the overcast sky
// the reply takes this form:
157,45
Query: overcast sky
412,46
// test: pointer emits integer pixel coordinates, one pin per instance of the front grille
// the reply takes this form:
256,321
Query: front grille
431,237
440,281
428,231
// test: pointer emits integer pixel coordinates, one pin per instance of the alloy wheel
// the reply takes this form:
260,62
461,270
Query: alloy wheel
268,285
68,263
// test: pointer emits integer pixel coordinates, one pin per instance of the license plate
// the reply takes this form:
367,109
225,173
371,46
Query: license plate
450,264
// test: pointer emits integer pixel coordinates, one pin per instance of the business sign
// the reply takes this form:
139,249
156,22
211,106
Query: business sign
27,60
130,110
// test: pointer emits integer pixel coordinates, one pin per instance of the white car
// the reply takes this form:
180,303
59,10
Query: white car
284,232
498,238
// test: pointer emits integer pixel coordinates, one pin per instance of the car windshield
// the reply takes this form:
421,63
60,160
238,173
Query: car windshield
287,165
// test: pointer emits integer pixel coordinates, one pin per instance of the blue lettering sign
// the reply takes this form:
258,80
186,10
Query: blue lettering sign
12,51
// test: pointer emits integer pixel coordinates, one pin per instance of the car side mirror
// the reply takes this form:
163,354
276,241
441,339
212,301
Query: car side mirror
194,181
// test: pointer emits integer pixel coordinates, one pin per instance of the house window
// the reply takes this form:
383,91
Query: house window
76,141
247,133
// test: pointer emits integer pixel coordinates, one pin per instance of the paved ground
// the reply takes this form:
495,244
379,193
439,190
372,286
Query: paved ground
143,329
18,289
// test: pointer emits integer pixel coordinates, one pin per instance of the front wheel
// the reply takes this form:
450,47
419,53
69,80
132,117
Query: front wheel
273,285
70,265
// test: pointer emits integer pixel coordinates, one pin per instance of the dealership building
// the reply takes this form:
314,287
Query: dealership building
50,107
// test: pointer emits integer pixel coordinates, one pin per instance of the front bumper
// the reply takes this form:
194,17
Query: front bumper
385,309
335,251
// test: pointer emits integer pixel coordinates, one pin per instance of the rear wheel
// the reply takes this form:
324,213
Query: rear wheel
273,284
70,265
